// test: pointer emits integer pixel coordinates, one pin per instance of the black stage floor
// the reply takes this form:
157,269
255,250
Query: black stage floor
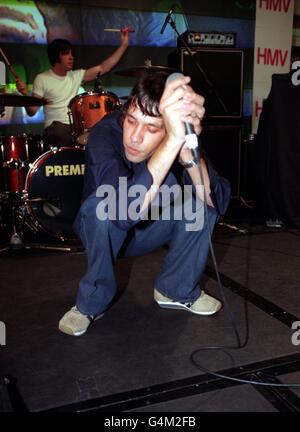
141,358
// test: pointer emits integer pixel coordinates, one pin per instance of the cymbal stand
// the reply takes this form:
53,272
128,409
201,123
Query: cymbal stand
15,240
2,110
98,84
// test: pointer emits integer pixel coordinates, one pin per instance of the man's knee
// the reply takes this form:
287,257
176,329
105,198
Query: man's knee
88,219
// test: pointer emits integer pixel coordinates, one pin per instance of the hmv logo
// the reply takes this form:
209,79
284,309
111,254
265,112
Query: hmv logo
275,5
267,56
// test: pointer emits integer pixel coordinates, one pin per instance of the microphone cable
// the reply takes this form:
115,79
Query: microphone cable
240,345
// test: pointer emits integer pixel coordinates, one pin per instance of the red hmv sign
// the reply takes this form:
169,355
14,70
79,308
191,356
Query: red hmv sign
273,40
276,5
273,57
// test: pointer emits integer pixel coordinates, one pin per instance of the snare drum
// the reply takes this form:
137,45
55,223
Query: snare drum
86,109
54,187
16,153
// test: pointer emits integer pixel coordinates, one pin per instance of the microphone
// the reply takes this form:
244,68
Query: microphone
167,19
191,139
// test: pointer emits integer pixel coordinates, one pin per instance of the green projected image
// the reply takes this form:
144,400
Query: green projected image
27,27
21,21
41,22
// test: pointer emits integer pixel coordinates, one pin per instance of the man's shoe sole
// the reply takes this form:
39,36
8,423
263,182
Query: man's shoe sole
175,305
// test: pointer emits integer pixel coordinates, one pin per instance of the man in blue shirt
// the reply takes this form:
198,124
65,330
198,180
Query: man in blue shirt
131,157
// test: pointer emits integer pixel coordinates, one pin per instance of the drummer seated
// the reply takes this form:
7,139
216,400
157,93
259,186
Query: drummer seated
60,84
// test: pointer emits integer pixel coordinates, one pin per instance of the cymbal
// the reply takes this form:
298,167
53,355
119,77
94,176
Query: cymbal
143,71
9,99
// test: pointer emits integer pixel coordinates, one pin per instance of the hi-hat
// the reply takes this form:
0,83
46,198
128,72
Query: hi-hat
8,99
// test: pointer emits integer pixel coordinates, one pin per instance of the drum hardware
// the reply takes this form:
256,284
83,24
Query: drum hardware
82,139
49,199
17,153
14,163
98,84
16,241
86,109
19,219
82,114
17,165
109,106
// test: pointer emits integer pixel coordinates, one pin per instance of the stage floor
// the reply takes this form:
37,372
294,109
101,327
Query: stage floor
142,358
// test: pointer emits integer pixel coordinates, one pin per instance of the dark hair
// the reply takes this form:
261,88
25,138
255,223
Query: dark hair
146,95
57,47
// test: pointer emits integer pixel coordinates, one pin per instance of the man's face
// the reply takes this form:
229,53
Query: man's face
142,134
66,60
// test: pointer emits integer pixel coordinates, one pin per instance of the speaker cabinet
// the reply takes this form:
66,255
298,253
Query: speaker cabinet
219,78
222,145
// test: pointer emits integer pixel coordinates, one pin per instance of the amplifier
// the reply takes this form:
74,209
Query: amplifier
224,70
207,39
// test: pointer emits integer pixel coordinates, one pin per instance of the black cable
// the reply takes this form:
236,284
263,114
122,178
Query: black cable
240,380
196,156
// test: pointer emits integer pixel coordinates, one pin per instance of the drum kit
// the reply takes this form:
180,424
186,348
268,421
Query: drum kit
38,183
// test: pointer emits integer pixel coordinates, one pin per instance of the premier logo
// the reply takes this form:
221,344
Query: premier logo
64,170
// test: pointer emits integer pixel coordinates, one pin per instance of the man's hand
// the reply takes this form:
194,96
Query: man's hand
180,104
124,38
21,87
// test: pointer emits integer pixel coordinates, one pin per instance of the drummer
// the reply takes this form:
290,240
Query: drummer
60,84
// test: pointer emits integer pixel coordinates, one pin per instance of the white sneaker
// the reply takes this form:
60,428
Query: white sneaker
75,323
204,305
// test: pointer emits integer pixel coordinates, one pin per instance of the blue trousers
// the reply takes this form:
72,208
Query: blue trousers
104,242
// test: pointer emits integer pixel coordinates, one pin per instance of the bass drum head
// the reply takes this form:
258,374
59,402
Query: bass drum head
54,187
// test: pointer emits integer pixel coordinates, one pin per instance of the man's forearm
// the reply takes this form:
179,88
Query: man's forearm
106,65
111,61
159,166
194,173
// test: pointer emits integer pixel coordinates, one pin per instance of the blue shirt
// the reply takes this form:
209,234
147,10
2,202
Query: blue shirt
106,163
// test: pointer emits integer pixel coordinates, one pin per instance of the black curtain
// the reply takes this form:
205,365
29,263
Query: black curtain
278,153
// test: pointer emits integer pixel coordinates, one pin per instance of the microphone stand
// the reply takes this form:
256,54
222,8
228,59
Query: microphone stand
210,87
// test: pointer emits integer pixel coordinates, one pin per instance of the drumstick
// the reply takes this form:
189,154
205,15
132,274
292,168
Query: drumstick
125,30
8,64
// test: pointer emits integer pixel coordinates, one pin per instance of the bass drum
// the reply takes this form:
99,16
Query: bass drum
53,188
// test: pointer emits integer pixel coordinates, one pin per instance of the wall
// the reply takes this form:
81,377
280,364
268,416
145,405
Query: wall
27,26
24,39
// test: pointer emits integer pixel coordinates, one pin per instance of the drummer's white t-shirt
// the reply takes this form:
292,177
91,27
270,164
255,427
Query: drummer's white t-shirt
59,90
